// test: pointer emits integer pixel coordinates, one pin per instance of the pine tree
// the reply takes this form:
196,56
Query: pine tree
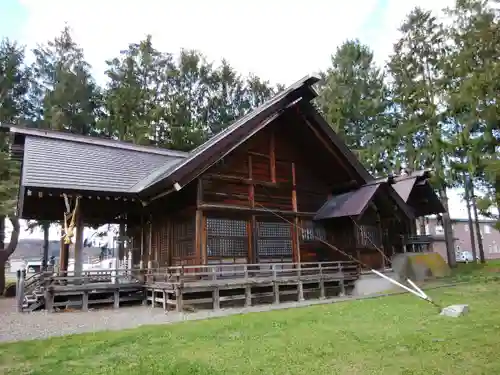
417,85
15,79
68,96
472,72
354,99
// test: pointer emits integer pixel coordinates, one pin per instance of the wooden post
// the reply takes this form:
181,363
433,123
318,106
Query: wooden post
85,301
248,296
381,234
216,298
150,240
121,243
341,282
49,300
164,300
251,223
63,256
20,290
300,286
295,229
141,263
199,232
178,298
116,299
321,283
78,247
276,287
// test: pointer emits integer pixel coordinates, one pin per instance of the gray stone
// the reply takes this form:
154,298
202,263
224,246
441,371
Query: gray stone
455,311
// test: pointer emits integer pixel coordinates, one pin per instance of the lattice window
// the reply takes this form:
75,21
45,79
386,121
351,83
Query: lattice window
275,239
227,238
368,236
184,238
312,231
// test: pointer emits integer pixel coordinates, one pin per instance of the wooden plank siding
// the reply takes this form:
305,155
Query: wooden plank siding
256,205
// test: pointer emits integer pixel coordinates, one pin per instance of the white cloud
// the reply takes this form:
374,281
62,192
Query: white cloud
276,39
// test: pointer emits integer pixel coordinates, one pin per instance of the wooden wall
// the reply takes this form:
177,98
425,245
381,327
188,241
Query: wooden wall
256,205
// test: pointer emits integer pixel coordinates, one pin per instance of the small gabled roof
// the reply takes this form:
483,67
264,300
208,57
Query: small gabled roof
351,204
415,190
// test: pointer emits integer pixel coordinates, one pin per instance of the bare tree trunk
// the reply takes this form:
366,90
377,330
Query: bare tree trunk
448,230
469,214
478,228
7,252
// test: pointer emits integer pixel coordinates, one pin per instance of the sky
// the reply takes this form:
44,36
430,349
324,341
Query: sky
278,40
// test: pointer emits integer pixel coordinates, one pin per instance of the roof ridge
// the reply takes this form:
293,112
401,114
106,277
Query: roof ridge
103,142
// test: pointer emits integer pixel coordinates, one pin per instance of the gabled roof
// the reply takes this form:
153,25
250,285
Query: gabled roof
353,203
58,160
415,190
202,157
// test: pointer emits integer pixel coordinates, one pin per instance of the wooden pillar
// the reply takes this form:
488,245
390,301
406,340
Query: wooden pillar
200,252
381,234
121,242
142,242
63,255
272,157
150,244
295,229
79,245
252,249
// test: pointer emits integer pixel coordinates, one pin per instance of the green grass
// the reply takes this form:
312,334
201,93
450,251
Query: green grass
392,335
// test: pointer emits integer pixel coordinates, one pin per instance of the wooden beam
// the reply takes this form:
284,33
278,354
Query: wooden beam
246,181
213,206
272,157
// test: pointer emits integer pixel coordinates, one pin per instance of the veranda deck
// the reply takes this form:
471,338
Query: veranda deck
187,287
90,288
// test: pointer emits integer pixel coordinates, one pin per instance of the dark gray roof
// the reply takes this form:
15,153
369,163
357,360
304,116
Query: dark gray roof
80,163
348,204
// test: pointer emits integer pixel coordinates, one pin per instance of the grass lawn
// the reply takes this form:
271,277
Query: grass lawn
391,335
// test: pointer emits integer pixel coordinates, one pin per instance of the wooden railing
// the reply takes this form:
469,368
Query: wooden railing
184,274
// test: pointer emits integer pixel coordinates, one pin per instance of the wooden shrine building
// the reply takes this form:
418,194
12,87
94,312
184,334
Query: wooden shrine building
272,187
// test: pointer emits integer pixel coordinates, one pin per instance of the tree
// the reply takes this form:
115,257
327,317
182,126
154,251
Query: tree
354,99
417,88
138,88
67,94
14,107
152,98
473,70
